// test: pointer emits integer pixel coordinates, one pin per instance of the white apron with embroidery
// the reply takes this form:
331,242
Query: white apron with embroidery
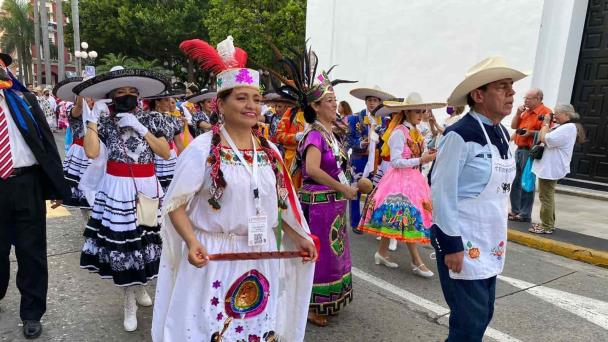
483,220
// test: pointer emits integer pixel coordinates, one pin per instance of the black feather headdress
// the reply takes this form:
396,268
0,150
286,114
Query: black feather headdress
298,80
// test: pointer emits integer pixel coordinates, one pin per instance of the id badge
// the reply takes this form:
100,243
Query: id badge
258,230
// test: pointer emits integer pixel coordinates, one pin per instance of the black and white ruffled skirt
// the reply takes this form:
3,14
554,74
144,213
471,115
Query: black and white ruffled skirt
115,247
165,169
74,166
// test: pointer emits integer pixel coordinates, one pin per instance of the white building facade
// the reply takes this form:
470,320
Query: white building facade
427,46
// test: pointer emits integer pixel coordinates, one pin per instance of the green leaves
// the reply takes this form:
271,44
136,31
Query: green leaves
152,30
254,24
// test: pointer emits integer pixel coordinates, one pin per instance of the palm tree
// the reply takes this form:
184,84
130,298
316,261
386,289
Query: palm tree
18,31
110,60
37,42
60,44
44,24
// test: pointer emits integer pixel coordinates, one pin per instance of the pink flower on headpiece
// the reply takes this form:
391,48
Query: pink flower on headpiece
321,78
244,77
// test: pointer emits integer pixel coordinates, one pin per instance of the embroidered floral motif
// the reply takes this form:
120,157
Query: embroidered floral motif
498,251
219,316
215,301
472,252
239,329
254,338
229,157
217,284
244,77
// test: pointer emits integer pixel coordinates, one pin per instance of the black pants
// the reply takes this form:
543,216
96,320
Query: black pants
23,224
471,304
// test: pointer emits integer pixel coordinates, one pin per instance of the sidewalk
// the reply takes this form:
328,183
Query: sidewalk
581,218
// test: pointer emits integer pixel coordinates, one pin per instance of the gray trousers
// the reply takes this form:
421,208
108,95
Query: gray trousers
521,201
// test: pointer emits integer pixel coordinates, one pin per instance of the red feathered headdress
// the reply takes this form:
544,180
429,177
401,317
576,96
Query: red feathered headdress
225,57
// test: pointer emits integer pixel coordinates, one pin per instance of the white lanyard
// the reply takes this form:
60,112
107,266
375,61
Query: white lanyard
253,171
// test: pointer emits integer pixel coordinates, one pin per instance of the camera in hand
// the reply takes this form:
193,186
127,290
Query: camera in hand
541,117
521,131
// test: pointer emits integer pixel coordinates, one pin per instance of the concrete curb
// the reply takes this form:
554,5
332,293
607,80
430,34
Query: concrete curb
580,192
584,254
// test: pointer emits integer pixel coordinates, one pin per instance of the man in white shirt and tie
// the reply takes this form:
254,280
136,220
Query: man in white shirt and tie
30,173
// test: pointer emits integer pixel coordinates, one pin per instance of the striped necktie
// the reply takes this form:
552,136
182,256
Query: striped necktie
6,158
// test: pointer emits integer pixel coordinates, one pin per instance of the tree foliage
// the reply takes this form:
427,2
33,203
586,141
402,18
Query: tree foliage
110,60
255,24
153,29
149,30
18,34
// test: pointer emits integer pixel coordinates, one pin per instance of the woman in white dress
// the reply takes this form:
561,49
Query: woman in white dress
231,194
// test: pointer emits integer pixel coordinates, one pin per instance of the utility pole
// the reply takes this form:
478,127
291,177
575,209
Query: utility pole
44,23
60,43
76,27
37,43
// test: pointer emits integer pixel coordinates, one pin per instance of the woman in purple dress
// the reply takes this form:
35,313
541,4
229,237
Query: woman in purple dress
324,194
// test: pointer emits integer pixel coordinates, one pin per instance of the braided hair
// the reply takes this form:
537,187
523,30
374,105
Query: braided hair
218,182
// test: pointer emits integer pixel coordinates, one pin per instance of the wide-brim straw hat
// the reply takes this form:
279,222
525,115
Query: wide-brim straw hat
487,71
203,95
363,93
65,89
412,102
147,82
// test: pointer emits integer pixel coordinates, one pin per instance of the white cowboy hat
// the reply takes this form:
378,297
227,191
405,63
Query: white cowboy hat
65,89
148,83
362,93
203,95
412,102
487,71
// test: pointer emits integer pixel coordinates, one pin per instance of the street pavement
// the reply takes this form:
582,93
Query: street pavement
566,299
540,296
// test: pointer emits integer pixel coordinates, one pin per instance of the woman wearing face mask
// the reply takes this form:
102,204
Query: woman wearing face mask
230,194
400,207
122,237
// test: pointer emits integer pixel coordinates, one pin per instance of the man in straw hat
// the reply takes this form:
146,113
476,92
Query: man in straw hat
30,173
359,136
471,182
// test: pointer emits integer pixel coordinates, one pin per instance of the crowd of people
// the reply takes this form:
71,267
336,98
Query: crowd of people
240,201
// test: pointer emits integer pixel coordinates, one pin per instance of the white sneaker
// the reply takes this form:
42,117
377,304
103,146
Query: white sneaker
379,259
392,245
130,308
424,274
141,296
378,238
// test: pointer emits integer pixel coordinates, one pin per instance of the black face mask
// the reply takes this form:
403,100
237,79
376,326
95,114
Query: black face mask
125,103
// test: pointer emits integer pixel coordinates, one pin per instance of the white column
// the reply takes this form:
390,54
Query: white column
558,49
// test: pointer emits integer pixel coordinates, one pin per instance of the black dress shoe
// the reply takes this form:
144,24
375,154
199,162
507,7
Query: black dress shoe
357,231
32,329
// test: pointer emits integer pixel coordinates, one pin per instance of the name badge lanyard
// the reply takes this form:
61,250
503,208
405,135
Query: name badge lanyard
253,171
